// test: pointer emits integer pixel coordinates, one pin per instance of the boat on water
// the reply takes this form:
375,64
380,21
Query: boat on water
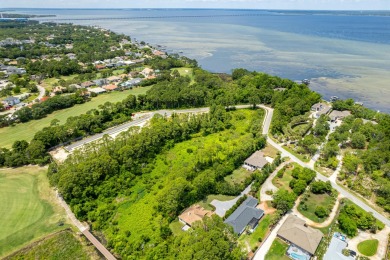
334,98
306,81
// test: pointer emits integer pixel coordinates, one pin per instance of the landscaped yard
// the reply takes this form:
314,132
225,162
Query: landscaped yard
368,247
283,183
28,207
314,200
277,251
258,235
63,245
238,176
18,132
304,158
270,151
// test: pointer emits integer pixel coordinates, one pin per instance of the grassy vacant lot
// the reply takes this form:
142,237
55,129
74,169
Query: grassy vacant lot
28,207
238,176
314,200
27,130
62,245
277,251
368,247
283,183
258,235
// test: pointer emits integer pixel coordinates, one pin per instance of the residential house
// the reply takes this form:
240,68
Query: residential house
75,86
193,214
245,215
338,115
255,161
100,66
100,82
335,250
131,83
12,101
97,90
71,56
114,79
295,231
87,84
147,72
320,109
110,87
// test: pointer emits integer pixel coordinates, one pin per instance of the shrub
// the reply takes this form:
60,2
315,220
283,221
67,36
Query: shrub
321,212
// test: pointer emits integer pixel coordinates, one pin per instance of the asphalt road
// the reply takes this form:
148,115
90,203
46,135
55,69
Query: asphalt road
321,177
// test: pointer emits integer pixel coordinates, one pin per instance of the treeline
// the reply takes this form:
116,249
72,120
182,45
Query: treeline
155,187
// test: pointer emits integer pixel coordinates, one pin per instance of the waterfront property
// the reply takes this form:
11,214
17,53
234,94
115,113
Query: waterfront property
256,161
303,239
338,115
245,215
320,109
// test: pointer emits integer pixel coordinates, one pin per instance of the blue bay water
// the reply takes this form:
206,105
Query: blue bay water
346,54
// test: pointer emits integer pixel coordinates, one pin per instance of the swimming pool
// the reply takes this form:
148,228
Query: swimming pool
298,257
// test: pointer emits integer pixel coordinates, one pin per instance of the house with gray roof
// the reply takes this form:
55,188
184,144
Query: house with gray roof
320,109
255,161
12,101
336,247
245,215
338,115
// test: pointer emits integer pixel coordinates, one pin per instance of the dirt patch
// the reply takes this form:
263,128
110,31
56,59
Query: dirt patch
267,210
59,154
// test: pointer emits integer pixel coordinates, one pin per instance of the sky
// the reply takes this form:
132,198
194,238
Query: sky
234,4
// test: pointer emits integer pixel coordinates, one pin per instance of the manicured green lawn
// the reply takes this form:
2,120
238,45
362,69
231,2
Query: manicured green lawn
283,183
28,210
26,131
368,247
314,200
277,251
63,245
259,233
238,176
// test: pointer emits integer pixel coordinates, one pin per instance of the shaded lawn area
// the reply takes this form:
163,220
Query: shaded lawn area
186,72
238,176
368,247
206,202
258,235
29,208
283,183
18,132
314,200
277,251
176,226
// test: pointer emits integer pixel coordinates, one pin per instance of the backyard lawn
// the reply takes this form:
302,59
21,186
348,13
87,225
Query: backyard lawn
28,208
314,200
259,233
19,131
176,227
238,176
368,247
277,251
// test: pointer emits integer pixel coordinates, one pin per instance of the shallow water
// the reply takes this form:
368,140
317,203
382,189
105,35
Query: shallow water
346,54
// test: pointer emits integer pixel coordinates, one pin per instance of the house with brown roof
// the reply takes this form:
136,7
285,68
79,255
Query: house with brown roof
110,87
295,231
255,161
193,214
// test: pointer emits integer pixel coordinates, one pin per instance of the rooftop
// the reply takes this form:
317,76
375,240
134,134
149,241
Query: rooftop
335,249
297,232
194,213
257,159
244,214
